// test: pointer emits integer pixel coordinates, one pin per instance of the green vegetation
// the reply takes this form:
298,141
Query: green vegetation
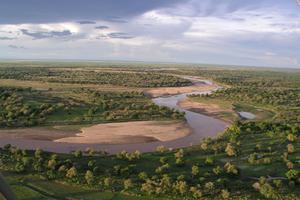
252,159
239,163
28,107
265,91
85,76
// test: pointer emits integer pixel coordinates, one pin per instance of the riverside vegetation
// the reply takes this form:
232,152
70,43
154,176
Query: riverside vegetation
252,159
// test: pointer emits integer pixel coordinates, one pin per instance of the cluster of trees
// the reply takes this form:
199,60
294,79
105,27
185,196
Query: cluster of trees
16,111
210,170
263,96
121,106
28,107
125,175
131,79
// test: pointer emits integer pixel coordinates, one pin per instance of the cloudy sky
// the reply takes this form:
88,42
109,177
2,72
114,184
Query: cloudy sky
254,32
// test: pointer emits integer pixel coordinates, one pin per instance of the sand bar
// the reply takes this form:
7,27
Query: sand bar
129,132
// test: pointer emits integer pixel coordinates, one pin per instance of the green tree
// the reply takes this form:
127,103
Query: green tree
89,177
290,148
292,174
195,170
72,173
128,184
230,150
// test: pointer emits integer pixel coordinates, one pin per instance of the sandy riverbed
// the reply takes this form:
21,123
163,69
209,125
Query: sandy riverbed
208,109
129,132
158,92
39,133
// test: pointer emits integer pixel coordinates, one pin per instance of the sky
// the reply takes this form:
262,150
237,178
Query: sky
239,32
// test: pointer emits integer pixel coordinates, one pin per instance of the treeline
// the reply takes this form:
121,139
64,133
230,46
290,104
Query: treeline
84,76
264,96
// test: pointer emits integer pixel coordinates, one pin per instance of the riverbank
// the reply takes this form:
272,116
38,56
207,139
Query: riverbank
129,132
217,110
199,85
36,133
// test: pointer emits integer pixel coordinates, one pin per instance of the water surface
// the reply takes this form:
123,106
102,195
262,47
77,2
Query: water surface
247,115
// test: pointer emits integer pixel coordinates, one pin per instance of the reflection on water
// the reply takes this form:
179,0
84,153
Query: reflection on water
202,126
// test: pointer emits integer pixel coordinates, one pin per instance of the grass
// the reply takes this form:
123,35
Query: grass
40,85
31,187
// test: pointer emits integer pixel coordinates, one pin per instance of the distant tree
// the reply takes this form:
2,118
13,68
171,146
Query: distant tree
204,146
230,168
90,151
291,137
78,154
38,165
72,173
163,160
209,186
217,170
128,184
225,194
89,177
91,164
62,169
230,150
19,167
277,183
195,170
197,194
52,164
179,157
209,161
290,148
108,182
290,165
181,187
292,174
143,175
38,153
161,149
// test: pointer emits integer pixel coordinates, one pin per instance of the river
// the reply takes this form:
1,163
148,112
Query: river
202,126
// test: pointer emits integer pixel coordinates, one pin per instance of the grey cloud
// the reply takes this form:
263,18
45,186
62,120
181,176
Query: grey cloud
86,22
42,34
46,11
115,20
16,47
120,35
101,27
7,38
